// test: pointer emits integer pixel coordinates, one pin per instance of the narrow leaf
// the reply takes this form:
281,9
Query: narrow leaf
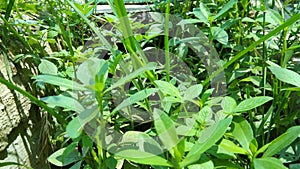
149,66
192,92
242,132
225,8
252,103
286,75
219,34
90,69
57,158
167,88
143,158
64,101
143,141
268,163
74,128
202,13
231,147
206,140
282,141
62,82
141,95
165,129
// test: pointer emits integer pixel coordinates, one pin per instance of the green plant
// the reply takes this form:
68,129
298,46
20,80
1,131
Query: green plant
189,125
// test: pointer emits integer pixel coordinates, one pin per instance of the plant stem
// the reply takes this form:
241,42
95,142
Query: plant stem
166,41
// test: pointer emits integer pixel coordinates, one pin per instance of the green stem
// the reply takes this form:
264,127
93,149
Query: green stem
264,71
166,41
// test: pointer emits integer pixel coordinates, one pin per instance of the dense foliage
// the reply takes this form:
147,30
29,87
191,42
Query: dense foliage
226,81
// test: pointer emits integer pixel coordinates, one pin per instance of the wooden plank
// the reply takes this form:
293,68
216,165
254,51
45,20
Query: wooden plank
129,8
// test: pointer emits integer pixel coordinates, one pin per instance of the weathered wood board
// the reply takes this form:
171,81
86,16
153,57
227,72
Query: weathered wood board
20,129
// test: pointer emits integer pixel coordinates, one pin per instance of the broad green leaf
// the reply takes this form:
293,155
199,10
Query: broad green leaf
231,147
206,165
247,19
189,21
143,142
257,80
225,8
229,23
282,141
242,132
59,81
52,34
88,115
167,88
111,162
76,165
202,13
64,101
86,141
206,140
143,158
57,160
228,104
140,95
74,128
165,129
192,92
204,115
286,75
172,99
252,103
268,163
46,67
219,34
220,163
272,16
91,68
149,66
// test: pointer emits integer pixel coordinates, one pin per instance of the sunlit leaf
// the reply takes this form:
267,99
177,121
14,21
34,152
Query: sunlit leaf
206,140
202,13
219,34
286,75
57,160
140,95
282,141
143,157
165,129
242,132
228,104
74,128
64,101
225,8
192,92
252,103
167,88
59,81
149,66
47,67
268,163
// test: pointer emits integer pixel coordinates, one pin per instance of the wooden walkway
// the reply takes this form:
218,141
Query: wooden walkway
129,8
